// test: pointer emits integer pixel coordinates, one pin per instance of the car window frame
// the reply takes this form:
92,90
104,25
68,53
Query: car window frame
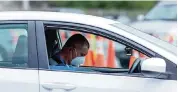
32,50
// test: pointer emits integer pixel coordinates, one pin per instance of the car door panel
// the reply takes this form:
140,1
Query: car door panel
82,82
85,82
19,80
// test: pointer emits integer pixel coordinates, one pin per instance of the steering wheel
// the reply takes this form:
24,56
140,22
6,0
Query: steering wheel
135,68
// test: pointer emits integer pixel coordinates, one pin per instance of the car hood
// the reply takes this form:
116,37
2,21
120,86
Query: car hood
158,26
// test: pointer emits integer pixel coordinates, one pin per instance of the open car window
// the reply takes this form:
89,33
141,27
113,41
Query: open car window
104,55
104,52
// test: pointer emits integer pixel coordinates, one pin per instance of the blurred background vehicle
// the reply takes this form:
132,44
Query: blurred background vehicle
160,22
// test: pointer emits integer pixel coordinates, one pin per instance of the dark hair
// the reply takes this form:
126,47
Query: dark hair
77,38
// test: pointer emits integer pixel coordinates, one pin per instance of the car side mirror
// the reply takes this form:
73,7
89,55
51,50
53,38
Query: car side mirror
153,67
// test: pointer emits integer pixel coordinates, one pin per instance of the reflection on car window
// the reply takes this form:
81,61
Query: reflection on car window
13,45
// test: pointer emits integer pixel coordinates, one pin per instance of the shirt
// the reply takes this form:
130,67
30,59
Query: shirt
61,61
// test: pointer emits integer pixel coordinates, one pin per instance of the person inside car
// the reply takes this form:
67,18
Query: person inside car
76,47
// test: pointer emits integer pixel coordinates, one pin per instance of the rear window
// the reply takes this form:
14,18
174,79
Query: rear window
13,45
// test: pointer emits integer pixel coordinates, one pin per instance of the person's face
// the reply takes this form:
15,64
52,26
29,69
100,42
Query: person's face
77,52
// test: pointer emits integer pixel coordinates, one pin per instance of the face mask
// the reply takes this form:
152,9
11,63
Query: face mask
78,61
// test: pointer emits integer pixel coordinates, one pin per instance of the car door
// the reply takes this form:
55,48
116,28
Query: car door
19,71
92,79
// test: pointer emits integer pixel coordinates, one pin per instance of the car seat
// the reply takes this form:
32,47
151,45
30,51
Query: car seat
20,56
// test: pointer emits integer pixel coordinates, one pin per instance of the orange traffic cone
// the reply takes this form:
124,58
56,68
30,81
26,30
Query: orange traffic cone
171,39
135,54
142,56
89,57
132,59
111,55
100,53
63,36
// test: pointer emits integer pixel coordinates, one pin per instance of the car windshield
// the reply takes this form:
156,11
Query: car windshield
163,12
162,44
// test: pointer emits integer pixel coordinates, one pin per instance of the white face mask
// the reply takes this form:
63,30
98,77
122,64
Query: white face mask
78,61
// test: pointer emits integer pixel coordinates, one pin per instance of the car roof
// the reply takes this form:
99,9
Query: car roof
54,16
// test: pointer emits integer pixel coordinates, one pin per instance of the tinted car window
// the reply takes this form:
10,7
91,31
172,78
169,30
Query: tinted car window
13,45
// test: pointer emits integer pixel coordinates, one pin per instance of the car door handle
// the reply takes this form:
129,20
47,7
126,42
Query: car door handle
64,86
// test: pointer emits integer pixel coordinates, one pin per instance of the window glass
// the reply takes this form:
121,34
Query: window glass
13,45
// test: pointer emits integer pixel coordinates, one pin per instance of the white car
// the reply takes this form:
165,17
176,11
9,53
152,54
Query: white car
28,70
161,21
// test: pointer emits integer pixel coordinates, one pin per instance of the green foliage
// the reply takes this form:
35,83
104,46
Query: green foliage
104,4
